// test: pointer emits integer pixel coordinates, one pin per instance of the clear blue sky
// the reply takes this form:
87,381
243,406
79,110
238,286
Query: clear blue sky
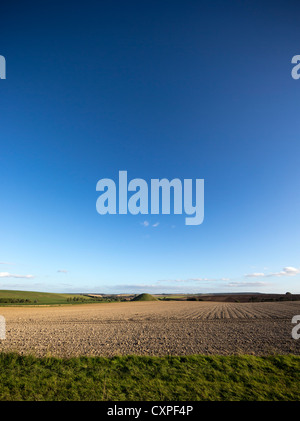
185,89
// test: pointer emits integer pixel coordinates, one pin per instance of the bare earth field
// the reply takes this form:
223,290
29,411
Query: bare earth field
152,328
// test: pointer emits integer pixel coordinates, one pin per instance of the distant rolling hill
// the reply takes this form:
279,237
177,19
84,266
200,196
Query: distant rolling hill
144,297
9,297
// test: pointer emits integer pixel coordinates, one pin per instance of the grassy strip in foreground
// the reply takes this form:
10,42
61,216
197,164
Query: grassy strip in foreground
138,378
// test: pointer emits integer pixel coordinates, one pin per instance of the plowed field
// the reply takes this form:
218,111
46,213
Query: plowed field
152,328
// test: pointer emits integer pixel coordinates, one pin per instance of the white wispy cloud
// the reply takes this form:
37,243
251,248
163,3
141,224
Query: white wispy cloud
147,224
173,280
151,288
188,280
11,275
255,275
247,284
62,271
287,271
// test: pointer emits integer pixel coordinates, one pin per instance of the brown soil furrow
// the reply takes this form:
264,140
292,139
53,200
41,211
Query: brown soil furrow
152,328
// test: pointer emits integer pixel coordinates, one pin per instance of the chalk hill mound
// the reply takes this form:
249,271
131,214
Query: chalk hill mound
144,297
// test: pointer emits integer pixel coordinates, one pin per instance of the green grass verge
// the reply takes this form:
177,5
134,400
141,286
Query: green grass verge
198,377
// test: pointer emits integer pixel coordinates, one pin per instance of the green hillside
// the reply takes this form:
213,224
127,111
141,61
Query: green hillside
9,297
144,297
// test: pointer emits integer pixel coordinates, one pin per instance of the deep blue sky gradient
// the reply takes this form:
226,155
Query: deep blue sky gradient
187,89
